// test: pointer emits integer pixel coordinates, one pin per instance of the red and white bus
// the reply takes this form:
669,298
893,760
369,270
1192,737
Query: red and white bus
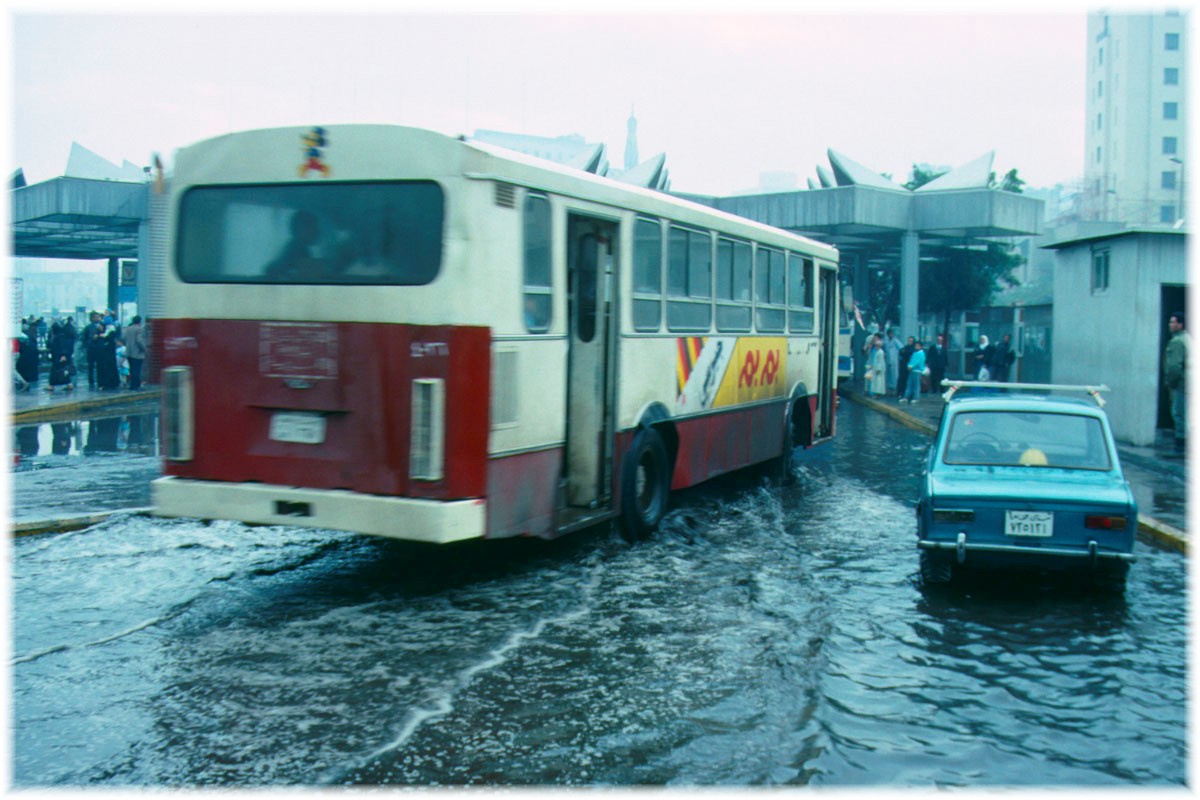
395,332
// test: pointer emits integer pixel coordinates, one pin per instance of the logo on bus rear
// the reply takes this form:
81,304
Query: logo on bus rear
298,350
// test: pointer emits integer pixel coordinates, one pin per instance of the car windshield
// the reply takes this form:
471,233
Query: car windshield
1027,439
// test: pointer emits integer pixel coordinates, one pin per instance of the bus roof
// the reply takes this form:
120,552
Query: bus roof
257,156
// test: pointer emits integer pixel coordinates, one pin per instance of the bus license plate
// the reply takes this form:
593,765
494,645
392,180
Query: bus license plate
297,427
1029,523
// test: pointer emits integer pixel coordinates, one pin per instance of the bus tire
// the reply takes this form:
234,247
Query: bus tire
645,485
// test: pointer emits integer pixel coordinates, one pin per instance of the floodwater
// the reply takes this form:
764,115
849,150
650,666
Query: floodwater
61,469
763,637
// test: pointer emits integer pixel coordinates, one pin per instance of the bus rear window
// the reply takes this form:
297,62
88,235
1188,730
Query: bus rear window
326,233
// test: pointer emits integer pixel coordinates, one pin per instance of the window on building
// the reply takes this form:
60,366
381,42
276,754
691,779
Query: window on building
537,263
1171,76
1100,89
1168,180
1100,57
1098,153
1172,41
647,275
1166,214
1170,143
1170,110
1099,270
1099,122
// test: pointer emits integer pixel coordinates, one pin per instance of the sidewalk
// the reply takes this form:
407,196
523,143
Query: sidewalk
37,405
1147,469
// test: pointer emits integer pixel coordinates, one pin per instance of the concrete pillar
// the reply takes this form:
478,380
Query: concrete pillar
114,284
910,262
862,278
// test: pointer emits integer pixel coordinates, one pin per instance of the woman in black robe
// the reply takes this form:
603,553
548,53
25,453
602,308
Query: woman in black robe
106,359
27,359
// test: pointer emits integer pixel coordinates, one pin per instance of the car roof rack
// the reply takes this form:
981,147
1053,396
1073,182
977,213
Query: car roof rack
1094,391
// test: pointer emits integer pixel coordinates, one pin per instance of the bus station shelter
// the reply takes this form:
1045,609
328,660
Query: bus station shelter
81,218
879,225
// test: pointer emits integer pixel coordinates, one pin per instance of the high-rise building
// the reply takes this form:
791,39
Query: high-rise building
1136,160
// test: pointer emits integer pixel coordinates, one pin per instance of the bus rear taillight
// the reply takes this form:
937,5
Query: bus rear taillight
426,449
179,418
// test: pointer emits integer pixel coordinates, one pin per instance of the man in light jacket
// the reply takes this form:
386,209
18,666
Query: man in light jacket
135,351
1175,375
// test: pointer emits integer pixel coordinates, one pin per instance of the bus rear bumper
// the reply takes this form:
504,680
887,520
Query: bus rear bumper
412,519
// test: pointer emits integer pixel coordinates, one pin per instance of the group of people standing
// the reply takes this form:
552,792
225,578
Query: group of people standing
114,357
895,369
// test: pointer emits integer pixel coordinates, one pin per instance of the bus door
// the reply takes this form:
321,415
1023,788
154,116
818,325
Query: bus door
828,357
591,247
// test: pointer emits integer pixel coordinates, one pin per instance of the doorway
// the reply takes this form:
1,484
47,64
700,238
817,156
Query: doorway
591,252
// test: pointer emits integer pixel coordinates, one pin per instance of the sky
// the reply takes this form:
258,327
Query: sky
726,97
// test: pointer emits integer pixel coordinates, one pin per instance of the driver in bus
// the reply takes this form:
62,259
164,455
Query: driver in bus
296,261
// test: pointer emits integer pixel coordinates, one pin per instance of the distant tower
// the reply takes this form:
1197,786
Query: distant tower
631,153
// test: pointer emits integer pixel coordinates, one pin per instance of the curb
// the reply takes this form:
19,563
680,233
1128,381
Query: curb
67,411
68,524
1161,533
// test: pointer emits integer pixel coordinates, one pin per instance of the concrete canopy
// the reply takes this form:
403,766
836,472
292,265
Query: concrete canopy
878,224
78,218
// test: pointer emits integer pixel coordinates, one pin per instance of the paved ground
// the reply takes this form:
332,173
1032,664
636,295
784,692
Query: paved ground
1142,465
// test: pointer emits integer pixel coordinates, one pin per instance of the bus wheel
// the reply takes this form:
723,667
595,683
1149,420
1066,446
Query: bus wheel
645,485
779,469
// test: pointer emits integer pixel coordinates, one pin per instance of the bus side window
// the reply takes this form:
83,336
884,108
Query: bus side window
734,312
647,275
800,294
769,285
689,280
536,239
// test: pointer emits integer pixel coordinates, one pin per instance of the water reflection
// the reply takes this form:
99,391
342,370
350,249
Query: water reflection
134,434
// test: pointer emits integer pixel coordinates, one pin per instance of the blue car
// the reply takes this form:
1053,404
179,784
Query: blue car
1018,481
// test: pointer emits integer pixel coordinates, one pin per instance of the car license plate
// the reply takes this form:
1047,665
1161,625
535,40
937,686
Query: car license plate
290,426
1028,523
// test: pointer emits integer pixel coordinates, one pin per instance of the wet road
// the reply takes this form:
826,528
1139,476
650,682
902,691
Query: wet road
764,636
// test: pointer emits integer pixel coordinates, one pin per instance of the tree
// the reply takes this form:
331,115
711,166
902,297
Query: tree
921,176
960,278
1011,182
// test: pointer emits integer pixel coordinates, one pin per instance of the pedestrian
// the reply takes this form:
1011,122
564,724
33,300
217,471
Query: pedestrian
935,360
27,358
122,364
62,368
980,359
135,351
105,346
916,370
905,354
89,346
891,352
19,382
1002,358
876,374
1175,374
